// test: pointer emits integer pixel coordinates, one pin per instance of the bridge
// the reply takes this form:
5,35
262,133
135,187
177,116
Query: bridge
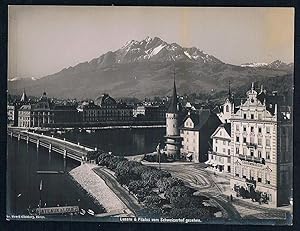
68,149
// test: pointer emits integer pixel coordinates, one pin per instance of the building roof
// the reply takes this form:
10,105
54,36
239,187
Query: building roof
199,118
226,126
104,100
174,101
24,97
26,107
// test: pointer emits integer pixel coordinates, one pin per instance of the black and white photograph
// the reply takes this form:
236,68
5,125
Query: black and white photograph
130,114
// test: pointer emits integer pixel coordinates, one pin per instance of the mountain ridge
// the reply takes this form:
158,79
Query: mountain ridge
145,68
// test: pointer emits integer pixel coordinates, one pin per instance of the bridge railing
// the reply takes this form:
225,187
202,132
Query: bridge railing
61,141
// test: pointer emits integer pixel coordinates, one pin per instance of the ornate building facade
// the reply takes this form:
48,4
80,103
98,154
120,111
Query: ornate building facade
261,148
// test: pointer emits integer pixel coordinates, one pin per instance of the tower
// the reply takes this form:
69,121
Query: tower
173,142
24,98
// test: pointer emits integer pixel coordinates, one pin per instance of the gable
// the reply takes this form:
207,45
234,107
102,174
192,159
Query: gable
220,132
188,123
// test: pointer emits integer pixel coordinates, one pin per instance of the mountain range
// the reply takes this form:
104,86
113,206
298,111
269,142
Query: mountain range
146,68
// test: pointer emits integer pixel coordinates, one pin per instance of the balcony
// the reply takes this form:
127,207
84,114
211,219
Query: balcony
252,159
251,145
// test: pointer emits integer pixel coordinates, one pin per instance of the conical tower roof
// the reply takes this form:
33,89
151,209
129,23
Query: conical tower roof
24,97
174,102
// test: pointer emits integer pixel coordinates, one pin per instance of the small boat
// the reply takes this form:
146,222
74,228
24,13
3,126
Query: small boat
91,212
82,212
20,194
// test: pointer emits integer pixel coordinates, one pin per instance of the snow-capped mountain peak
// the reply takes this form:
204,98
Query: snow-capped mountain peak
155,49
277,64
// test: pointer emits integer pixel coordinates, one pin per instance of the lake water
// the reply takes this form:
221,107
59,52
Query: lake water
23,181
24,160
121,142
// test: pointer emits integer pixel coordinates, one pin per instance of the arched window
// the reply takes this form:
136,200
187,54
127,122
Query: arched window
227,108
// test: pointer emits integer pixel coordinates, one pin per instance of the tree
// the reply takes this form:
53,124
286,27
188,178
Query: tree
153,201
165,183
186,202
178,191
135,185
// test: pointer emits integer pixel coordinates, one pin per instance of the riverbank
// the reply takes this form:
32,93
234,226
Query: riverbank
97,188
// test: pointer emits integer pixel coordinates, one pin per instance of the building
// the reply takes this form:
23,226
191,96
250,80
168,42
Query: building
89,112
103,109
262,148
195,132
219,158
65,114
228,108
12,114
25,116
173,139
42,112
150,112
111,110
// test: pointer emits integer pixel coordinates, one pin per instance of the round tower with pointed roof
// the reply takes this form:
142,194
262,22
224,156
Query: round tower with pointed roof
173,142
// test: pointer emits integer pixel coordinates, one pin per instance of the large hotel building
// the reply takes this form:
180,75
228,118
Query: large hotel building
262,147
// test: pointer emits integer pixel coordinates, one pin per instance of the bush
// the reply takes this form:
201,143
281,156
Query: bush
166,183
186,202
153,201
178,191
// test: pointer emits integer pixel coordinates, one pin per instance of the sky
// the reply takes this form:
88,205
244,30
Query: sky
45,39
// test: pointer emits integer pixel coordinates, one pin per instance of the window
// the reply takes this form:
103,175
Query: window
259,116
268,179
252,116
259,179
244,151
228,151
224,150
268,142
268,155
259,141
252,129
216,141
245,116
268,130
244,139
244,128
237,150
220,133
227,108
216,149
237,128
237,139
251,139
259,154
224,142
259,130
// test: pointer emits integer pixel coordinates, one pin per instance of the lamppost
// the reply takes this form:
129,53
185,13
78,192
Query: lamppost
158,153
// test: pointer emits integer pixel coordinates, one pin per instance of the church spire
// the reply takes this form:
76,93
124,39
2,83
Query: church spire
173,104
24,96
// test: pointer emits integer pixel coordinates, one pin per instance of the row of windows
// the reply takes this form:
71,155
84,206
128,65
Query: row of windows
259,140
259,130
250,174
220,158
252,117
252,153
223,150
224,142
